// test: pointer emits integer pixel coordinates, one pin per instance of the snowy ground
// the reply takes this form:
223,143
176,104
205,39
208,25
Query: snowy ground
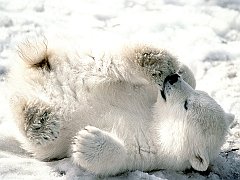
204,34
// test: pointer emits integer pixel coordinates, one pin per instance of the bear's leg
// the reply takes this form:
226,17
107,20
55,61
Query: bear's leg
36,120
187,75
158,64
99,152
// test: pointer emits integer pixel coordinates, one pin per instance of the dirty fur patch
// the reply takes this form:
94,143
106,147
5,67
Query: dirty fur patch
34,53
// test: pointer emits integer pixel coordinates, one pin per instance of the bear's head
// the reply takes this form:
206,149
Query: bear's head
204,123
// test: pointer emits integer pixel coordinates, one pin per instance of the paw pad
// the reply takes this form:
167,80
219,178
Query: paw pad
42,125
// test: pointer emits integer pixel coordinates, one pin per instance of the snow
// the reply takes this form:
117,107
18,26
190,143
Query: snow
203,34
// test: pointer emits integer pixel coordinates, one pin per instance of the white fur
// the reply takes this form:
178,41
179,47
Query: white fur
108,113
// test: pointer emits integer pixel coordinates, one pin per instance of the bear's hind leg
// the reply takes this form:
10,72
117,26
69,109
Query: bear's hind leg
99,152
42,125
36,120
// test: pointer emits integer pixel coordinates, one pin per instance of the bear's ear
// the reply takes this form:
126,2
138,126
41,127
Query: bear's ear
229,118
200,161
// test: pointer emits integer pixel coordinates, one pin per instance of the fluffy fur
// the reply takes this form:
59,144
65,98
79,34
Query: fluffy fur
115,112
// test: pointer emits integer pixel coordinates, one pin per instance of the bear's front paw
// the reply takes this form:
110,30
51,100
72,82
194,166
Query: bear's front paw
90,144
93,147
157,63
41,124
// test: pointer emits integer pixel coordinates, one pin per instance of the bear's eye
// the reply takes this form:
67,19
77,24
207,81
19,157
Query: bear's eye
186,105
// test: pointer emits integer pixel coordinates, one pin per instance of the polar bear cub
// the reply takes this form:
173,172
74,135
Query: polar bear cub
116,112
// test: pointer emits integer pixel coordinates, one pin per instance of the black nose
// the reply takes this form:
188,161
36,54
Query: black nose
172,78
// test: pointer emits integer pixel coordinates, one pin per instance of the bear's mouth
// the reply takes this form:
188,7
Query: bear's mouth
171,79
163,94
